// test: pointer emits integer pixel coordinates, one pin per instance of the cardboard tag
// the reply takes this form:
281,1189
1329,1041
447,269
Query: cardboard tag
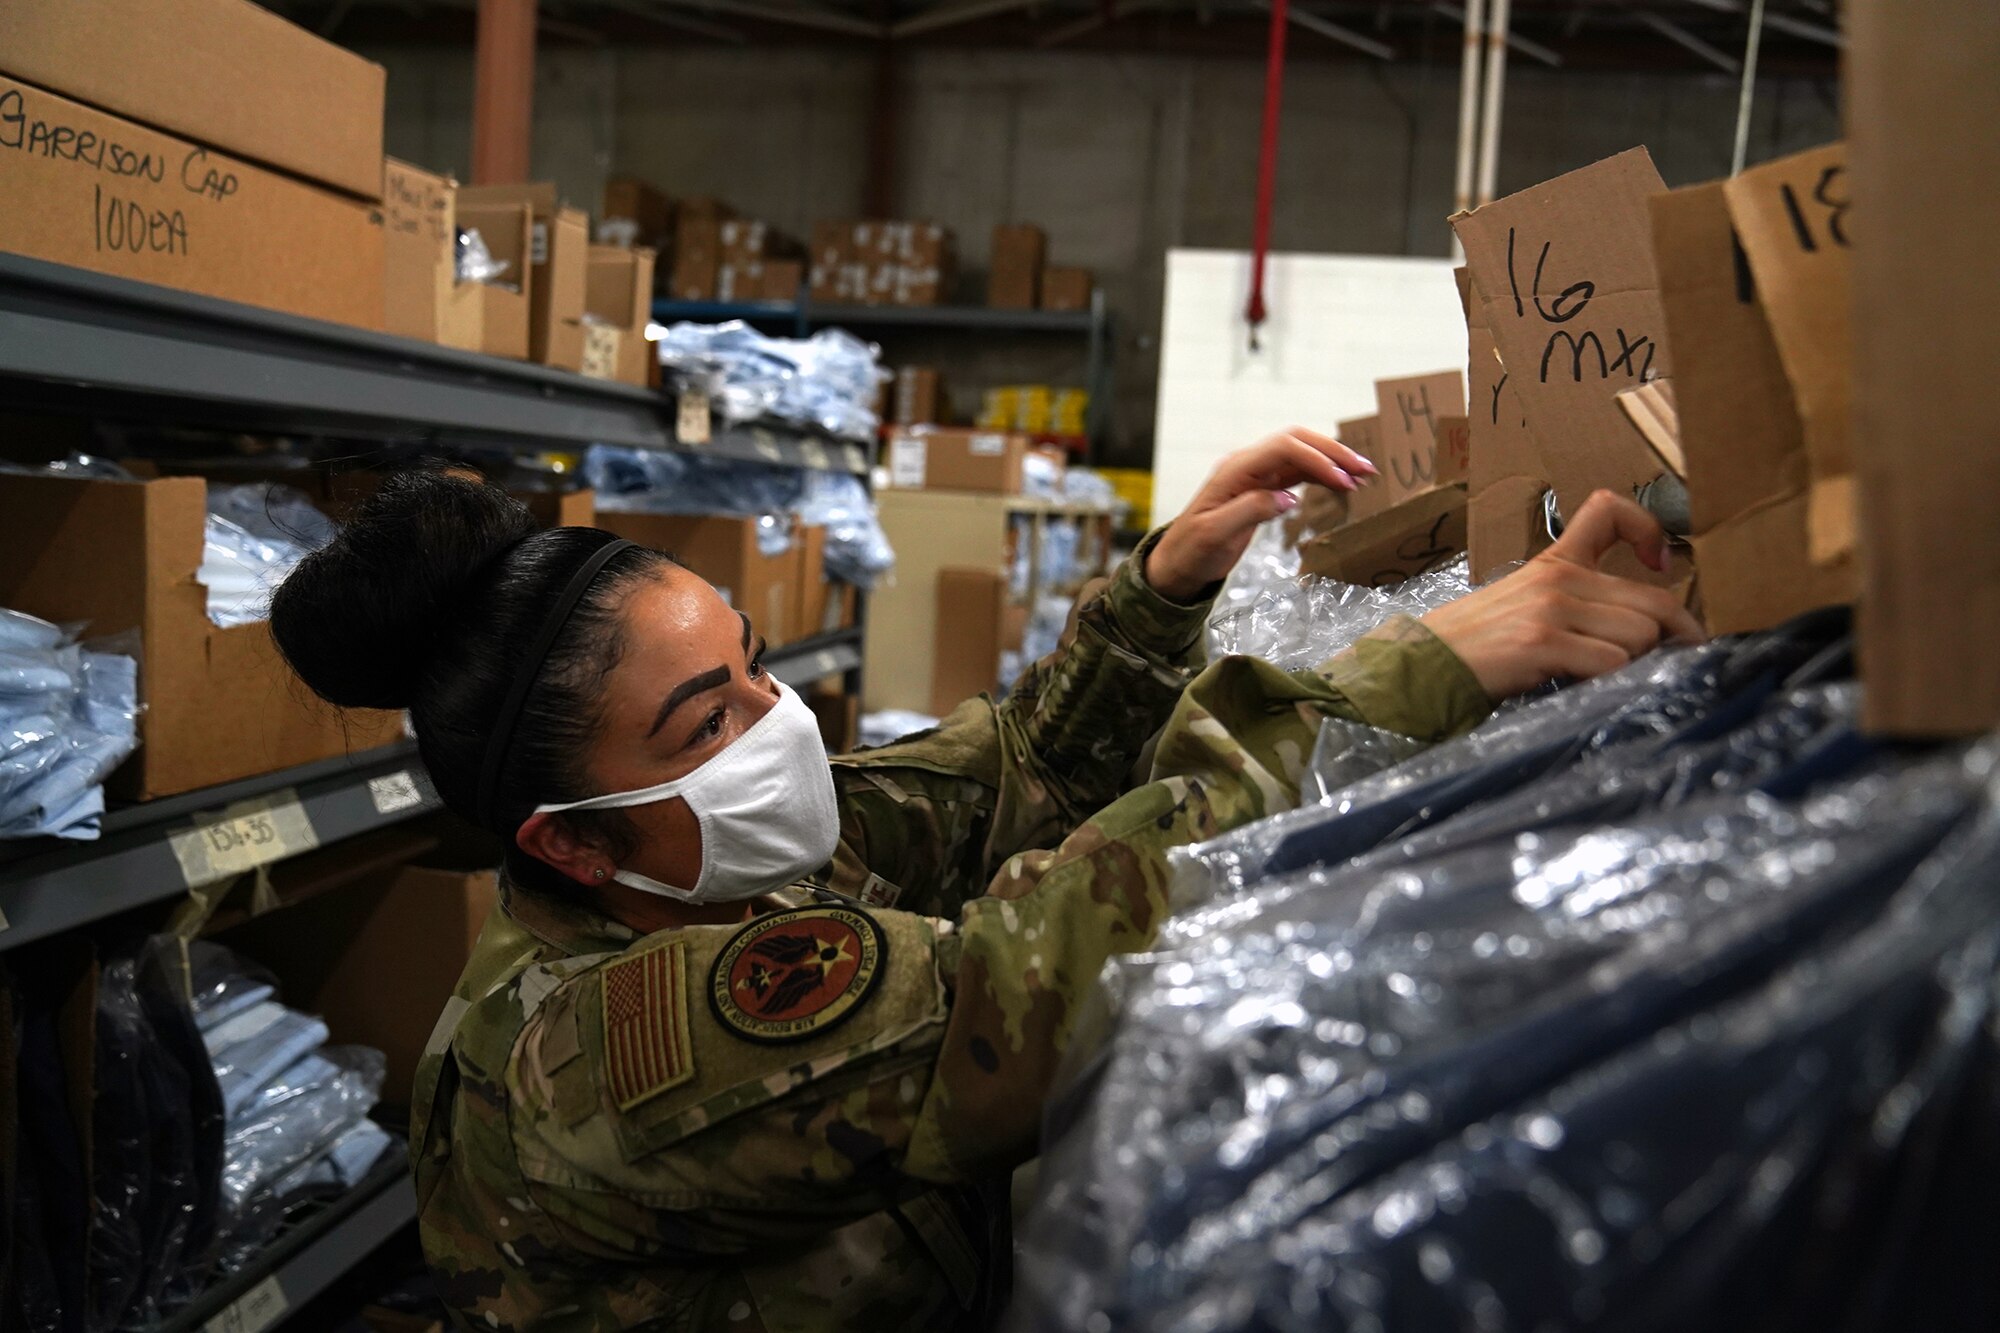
691,417
908,456
1363,435
254,1311
1791,216
1451,441
394,792
987,446
1650,409
1739,433
1406,415
242,837
1421,534
600,351
1504,474
1563,277
1923,103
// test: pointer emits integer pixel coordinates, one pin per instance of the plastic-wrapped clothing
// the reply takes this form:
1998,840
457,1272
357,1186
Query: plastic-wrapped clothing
827,381
53,1204
224,984
294,1118
653,482
68,716
252,1048
1280,1052
1783,1159
177,1041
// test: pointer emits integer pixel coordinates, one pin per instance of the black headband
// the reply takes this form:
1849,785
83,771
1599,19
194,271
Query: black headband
531,667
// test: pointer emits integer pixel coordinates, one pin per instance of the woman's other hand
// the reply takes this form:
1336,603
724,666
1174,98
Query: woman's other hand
1246,488
1559,615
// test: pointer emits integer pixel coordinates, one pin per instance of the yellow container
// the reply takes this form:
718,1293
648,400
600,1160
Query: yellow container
1135,487
998,409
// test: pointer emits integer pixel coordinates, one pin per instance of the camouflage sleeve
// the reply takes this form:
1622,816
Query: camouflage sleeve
926,821
938,1070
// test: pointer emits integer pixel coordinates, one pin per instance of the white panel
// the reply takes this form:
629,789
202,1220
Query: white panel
1337,324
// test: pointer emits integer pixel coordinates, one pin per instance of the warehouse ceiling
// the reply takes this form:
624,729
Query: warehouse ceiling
1801,36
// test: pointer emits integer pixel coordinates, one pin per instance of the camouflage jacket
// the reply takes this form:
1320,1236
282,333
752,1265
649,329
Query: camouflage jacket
796,1123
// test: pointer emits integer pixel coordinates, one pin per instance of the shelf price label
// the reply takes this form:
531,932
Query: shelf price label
254,1311
242,837
395,792
691,421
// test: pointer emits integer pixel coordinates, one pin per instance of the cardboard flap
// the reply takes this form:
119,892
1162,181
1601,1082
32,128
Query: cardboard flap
1406,417
1452,442
1364,436
1792,218
1563,275
1504,474
1418,535
1650,409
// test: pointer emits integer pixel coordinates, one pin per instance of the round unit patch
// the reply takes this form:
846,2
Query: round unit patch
794,974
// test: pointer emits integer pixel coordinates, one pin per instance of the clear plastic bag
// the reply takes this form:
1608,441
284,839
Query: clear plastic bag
857,548
892,724
474,261
254,1047
68,717
828,381
255,536
1536,1082
1297,623
294,1117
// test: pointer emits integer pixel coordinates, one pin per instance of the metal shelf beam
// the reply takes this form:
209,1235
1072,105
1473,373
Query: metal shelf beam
74,340
970,317
134,862
800,664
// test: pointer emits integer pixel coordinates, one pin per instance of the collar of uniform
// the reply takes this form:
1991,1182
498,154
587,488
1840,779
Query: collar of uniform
572,928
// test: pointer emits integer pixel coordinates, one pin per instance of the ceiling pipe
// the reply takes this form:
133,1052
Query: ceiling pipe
951,15
1687,41
1474,15
1748,90
1335,33
1267,171
798,15
1531,49
1497,19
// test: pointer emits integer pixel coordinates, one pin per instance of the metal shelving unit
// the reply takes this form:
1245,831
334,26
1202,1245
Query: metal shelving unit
307,1259
103,346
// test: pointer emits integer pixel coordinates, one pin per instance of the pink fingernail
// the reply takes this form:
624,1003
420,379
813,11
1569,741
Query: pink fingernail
1286,501
1367,466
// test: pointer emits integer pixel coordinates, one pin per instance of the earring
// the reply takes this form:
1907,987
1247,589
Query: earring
600,874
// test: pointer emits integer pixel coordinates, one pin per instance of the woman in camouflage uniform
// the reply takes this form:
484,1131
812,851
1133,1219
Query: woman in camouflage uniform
654,1107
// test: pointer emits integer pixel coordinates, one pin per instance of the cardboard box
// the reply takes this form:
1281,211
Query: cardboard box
1791,220
558,246
698,249
1921,106
619,292
1066,288
1504,473
1563,274
1407,411
943,458
971,614
724,551
919,396
377,957
506,305
839,718
422,297
815,603
1740,438
1420,534
561,509
221,703
222,73
782,279
83,187
1019,254
632,212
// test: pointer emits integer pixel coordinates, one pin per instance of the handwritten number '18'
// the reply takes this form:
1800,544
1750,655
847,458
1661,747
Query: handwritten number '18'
1836,210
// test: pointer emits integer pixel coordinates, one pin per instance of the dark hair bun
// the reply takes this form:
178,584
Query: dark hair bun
360,620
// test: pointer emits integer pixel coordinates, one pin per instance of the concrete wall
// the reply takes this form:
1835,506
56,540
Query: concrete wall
1119,157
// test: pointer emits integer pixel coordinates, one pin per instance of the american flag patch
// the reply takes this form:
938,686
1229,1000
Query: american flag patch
646,1048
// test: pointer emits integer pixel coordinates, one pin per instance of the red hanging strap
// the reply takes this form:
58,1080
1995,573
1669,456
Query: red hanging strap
1267,167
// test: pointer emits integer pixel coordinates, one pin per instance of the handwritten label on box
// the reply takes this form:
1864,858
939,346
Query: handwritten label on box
242,837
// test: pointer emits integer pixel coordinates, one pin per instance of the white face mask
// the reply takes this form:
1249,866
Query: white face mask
765,806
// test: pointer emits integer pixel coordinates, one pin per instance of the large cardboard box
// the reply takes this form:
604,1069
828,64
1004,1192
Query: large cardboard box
634,213
83,187
223,73
919,396
724,550
378,956
618,295
971,627
1921,106
1019,251
558,259
220,703
422,297
506,306
944,458
1066,288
